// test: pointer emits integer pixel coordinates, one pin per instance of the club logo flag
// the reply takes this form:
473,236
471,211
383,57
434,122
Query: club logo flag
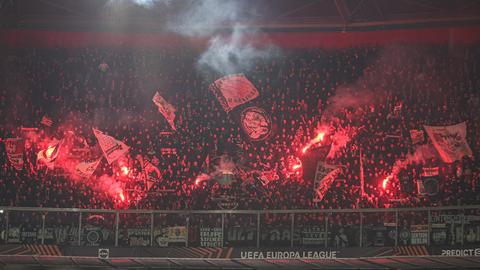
112,148
417,136
450,141
14,148
256,123
166,109
48,156
324,177
233,90
85,169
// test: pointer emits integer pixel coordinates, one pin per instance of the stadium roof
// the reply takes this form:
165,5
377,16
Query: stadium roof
269,15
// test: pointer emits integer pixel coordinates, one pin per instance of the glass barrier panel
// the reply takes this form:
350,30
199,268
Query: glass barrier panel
240,230
98,229
3,225
379,229
412,230
25,227
344,230
205,230
446,226
170,230
61,228
275,230
310,230
134,230
471,227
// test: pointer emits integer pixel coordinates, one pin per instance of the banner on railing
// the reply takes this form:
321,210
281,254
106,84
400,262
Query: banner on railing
164,237
211,237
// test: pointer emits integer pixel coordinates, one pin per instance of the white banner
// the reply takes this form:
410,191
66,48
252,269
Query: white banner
233,90
166,109
324,177
111,147
450,141
85,169
14,148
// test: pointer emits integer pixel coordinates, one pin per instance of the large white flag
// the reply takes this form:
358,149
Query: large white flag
85,169
324,177
450,141
166,109
111,147
233,90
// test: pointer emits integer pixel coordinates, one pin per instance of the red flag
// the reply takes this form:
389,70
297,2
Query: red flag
46,121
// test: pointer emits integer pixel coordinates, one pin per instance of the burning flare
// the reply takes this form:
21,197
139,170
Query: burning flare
317,140
385,181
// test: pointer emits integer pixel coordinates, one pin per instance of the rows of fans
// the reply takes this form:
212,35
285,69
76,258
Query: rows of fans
112,90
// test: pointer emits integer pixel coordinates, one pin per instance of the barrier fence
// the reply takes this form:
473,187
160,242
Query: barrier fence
437,226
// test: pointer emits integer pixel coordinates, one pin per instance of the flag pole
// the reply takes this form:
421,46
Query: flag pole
362,176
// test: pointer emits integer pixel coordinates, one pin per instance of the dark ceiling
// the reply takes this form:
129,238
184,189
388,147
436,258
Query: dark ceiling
269,15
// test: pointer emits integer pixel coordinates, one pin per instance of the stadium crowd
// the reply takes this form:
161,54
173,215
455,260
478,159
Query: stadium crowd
392,90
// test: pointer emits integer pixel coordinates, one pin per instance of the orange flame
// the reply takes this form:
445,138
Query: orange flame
385,182
122,197
318,139
49,151
296,167
124,170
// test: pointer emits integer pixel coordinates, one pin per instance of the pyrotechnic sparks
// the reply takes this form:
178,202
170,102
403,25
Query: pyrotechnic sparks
385,181
317,140
124,170
49,151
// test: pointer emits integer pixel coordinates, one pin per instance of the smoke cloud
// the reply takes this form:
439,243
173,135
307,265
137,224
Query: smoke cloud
234,53
229,49
420,155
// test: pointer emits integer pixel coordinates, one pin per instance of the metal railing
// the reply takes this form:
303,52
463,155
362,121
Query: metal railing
326,228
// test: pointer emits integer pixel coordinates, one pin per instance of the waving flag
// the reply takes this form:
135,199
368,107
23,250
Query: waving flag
166,109
233,90
14,148
450,141
324,177
417,136
46,121
85,169
112,148
48,156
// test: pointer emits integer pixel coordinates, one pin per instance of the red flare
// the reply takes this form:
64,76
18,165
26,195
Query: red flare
124,170
49,151
122,197
318,139
385,182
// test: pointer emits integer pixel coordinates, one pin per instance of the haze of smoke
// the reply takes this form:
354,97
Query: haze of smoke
421,155
234,53
227,53
225,165
109,185
142,3
204,18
